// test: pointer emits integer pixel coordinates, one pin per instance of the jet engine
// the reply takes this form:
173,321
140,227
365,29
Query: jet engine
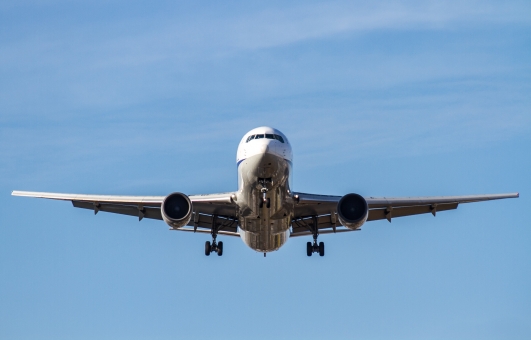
352,211
176,210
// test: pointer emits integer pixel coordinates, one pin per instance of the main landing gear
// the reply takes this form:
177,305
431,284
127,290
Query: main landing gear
216,247
315,248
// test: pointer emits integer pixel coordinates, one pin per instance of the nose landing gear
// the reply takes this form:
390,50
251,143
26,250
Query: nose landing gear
267,202
264,199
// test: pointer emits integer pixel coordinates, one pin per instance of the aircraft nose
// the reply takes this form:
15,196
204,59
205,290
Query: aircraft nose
265,145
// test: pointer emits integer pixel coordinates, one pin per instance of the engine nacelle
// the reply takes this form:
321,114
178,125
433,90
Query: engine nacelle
352,211
176,210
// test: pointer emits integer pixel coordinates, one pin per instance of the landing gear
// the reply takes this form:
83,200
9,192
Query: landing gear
267,202
264,183
208,248
214,247
315,248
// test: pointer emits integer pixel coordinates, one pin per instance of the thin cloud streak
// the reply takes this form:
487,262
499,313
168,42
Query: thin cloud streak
215,36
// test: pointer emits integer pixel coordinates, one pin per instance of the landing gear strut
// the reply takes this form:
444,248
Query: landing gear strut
314,247
214,247
265,199
263,182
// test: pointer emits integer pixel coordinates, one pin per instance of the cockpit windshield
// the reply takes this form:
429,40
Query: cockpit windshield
267,136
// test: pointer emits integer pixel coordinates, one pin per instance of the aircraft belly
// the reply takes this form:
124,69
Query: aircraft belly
263,228
264,241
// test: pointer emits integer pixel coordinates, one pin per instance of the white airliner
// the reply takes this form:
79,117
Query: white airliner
265,212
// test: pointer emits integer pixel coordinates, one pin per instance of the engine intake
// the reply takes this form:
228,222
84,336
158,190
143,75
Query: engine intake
352,211
176,210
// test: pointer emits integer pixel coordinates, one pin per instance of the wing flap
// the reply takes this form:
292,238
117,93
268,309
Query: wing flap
153,213
323,222
381,214
205,221
381,202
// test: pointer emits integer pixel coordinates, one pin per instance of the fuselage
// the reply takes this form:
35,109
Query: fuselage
264,159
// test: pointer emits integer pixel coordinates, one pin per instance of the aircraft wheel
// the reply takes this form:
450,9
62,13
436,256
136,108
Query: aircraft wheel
208,248
321,248
220,248
268,203
309,249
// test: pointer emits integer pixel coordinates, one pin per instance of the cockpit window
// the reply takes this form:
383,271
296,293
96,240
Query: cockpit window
267,135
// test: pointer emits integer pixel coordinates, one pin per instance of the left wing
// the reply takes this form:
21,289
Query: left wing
321,209
209,209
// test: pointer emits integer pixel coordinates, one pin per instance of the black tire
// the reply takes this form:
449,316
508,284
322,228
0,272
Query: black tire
208,248
220,248
268,203
309,249
261,204
321,248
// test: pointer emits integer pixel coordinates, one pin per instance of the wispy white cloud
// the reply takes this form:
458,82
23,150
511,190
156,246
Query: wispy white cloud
276,27
209,34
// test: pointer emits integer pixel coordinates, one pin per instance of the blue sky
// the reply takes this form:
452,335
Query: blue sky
390,98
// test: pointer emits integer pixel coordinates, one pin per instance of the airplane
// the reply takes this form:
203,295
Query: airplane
265,211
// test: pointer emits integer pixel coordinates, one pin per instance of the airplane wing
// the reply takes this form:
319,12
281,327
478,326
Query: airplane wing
208,209
219,208
323,208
